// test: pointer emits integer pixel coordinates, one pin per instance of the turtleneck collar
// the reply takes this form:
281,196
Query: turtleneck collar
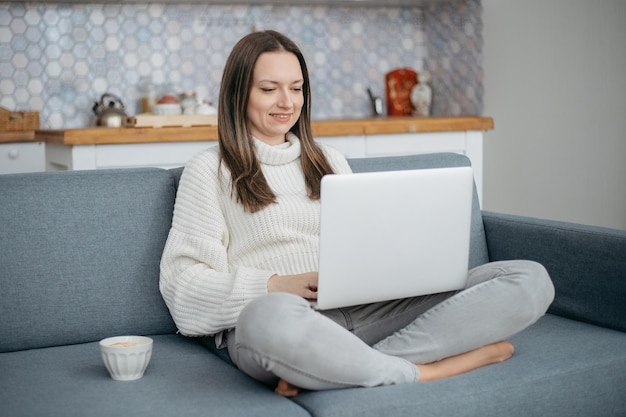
278,154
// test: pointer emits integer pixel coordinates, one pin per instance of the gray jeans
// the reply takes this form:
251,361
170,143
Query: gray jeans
280,336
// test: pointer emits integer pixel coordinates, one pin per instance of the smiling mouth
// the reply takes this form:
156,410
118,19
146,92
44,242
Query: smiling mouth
281,116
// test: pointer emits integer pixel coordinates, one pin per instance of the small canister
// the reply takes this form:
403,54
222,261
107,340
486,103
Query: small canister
148,93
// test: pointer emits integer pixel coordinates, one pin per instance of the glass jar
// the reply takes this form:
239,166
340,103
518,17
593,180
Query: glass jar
148,94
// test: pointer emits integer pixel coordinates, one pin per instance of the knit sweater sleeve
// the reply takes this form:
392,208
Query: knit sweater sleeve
203,294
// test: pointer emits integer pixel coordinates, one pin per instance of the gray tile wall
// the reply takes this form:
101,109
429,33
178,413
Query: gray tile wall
59,58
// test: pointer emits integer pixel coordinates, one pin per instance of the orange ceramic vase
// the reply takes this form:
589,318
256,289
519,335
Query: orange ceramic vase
399,83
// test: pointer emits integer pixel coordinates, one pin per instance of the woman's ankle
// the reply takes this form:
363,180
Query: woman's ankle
465,362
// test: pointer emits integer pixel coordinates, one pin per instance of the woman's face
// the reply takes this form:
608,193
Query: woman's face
276,96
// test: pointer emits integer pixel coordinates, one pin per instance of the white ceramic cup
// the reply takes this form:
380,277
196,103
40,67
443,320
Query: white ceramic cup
126,357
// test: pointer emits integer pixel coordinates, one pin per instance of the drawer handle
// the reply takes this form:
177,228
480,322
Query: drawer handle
14,154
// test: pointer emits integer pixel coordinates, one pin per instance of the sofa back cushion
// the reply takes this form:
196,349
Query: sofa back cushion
79,255
478,242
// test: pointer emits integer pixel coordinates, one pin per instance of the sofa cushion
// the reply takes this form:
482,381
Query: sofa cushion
478,245
79,255
182,379
560,367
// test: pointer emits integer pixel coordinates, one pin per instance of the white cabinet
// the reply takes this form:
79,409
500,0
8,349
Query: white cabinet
130,155
176,154
19,157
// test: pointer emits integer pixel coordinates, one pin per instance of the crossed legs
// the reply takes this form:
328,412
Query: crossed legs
279,338
445,368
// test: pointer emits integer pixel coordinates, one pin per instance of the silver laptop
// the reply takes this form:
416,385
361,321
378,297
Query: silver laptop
393,234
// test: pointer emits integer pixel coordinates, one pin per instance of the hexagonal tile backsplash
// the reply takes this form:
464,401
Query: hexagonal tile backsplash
60,58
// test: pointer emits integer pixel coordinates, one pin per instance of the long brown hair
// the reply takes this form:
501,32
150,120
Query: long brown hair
235,141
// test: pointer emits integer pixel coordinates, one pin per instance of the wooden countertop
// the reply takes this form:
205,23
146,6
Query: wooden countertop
13,137
390,125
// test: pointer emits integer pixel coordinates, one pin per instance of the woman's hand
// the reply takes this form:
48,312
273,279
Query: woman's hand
304,285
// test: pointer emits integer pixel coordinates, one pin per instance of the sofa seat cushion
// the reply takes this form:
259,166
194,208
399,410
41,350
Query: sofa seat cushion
182,379
560,368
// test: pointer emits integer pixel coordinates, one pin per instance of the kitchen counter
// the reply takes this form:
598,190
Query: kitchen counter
391,125
321,128
16,137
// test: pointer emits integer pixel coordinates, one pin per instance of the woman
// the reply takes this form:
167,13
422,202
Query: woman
241,258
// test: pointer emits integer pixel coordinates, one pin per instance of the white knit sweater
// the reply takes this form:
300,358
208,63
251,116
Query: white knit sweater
217,257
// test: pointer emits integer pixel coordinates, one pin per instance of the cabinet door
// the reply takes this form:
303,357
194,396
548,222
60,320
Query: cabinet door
415,143
349,146
159,154
22,157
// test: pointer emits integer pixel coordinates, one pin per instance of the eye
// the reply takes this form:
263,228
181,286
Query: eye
267,89
297,89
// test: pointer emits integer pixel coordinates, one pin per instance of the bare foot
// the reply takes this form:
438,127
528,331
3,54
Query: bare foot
465,362
285,389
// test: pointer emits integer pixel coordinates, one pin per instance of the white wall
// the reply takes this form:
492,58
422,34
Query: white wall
555,84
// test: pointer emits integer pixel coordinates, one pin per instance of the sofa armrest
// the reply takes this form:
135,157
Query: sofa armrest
587,264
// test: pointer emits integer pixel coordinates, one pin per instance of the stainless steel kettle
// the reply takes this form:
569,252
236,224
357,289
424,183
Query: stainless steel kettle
110,111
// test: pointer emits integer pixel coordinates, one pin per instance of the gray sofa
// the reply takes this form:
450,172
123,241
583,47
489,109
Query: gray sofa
79,261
